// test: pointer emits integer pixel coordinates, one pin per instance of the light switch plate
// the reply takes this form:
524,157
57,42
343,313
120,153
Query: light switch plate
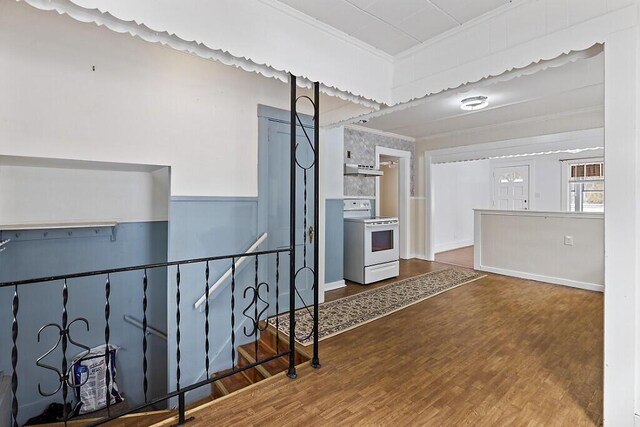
568,240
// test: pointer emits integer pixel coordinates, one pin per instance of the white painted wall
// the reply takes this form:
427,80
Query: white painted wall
331,187
332,153
82,193
143,104
532,245
545,177
622,219
263,35
417,216
389,198
459,188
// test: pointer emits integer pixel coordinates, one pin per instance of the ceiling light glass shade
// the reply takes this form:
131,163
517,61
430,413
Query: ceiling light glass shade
474,103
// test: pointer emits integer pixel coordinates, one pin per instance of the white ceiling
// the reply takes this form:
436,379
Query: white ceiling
572,89
394,25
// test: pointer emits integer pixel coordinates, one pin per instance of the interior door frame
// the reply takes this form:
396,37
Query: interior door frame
404,194
266,114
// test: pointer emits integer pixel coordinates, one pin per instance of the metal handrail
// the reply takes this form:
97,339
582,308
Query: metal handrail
150,330
227,273
136,267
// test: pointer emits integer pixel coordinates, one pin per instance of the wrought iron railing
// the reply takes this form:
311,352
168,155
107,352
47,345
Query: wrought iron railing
255,313
257,294
306,167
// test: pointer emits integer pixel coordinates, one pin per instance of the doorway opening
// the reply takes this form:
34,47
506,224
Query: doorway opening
393,192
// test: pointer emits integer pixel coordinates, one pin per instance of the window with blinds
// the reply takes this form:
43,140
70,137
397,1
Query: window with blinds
586,187
587,171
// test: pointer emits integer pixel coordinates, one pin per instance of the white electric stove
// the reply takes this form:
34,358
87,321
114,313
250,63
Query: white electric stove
370,244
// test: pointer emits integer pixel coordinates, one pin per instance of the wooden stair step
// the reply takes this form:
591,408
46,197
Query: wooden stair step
278,365
247,357
228,385
274,366
270,337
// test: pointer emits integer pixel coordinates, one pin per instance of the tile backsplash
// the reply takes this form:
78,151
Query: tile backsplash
362,146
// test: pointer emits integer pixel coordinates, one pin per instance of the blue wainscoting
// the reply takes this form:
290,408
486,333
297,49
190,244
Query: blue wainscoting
37,253
203,227
334,244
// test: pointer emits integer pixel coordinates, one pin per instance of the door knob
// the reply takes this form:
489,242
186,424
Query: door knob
311,234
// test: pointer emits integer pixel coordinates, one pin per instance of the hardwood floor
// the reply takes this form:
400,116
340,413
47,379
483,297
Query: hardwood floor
462,257
499,351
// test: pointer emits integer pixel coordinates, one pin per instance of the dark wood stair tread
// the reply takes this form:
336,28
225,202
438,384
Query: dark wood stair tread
247,355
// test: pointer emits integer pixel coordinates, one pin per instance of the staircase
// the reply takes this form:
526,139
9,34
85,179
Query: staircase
266,346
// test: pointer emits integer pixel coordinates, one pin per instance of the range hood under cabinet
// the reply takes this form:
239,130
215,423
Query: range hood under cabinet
353,169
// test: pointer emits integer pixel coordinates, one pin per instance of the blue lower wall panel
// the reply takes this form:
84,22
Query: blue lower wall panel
205,227
37,253
334,244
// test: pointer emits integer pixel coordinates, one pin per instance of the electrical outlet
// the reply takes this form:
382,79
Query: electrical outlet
568,240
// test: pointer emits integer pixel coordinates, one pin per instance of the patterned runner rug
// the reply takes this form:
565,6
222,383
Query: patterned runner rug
356,310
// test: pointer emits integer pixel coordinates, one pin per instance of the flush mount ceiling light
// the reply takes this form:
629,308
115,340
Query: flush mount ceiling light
474,103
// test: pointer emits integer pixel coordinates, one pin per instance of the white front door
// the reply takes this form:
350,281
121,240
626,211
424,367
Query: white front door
511,188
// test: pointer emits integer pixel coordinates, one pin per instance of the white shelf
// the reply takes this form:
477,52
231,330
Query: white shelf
57,225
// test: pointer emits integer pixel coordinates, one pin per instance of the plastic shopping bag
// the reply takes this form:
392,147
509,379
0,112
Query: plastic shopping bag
90,378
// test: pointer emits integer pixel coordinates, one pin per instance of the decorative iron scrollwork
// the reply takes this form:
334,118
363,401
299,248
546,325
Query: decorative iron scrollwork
256,300
306,235
63,337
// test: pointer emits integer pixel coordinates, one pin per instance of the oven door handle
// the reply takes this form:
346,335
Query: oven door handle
381,224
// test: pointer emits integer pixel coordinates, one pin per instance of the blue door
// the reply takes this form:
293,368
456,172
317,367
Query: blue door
274,203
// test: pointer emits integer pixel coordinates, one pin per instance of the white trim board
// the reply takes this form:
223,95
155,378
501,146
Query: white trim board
540,278
334,285
449,246
404,194
418,256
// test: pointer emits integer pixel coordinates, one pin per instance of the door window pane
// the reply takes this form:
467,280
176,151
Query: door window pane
511,177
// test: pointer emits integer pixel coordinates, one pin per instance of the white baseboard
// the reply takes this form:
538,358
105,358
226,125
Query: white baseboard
334,285
419,256
449,246
542,278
